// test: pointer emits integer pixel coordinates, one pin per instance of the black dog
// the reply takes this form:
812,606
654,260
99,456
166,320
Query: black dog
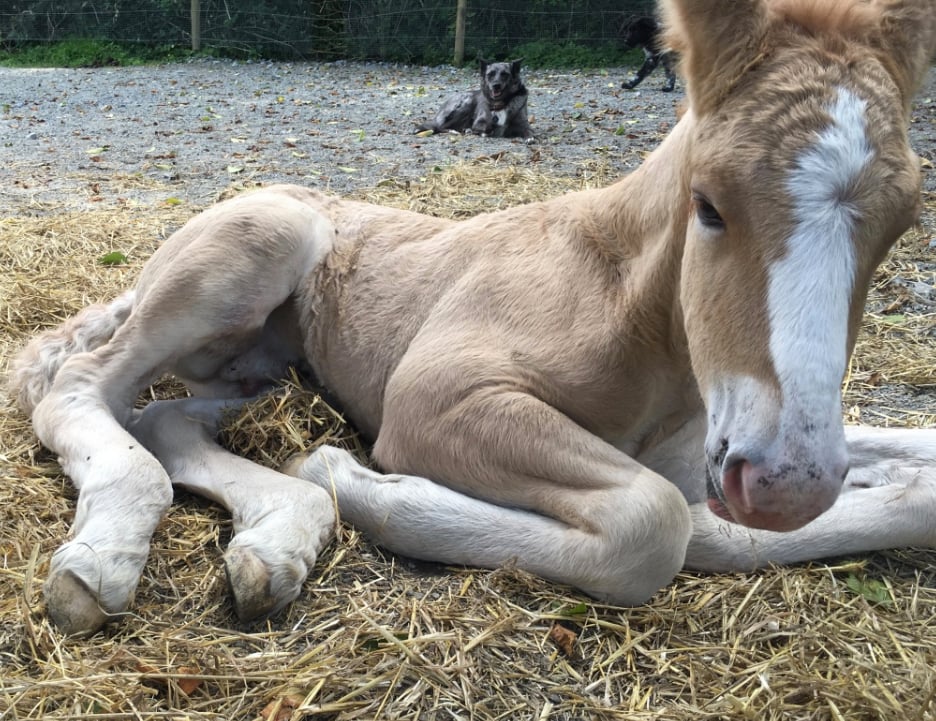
644,32
498,108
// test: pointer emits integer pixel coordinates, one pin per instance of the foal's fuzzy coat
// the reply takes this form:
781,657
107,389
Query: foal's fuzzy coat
589,387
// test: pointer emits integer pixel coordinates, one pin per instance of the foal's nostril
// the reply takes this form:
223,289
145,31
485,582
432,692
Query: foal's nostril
733,480
736,478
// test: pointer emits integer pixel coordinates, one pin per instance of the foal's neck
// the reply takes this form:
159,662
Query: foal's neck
650,205
645,215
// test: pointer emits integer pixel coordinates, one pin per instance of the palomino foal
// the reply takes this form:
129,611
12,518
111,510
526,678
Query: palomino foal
601,388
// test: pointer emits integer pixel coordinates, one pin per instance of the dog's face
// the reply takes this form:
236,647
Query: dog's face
500,81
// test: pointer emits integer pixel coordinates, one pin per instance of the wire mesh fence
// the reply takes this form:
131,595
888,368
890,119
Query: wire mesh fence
401,30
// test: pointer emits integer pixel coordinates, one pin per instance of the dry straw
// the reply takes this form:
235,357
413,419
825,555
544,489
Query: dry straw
375,636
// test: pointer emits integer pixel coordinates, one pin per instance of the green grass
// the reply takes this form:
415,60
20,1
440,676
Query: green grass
88,53
547,54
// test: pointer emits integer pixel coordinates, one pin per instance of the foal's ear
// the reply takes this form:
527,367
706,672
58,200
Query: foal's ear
908,42
716,40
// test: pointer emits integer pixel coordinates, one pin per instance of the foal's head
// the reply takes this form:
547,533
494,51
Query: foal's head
799,179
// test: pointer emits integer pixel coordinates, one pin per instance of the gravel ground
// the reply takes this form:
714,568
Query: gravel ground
198,127
70,137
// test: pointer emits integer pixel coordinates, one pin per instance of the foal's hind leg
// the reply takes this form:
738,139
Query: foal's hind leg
202,302
123,491
280,523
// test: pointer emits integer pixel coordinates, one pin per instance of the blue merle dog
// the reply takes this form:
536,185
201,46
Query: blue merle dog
498,108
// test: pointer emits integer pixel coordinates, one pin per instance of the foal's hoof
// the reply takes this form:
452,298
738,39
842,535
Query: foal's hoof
257,591
73,607
88,586
292,465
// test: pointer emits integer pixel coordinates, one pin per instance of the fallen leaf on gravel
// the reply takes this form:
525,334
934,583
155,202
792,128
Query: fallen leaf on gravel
564,639
281,709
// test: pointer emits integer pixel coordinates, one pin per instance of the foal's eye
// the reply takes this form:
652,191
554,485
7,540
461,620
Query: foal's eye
705,211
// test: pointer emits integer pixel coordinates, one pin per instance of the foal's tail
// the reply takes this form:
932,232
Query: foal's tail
34,368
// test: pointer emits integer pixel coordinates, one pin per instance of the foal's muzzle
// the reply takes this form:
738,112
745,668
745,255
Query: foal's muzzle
775,495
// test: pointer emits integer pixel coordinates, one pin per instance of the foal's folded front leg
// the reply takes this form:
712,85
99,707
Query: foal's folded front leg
578,512
280,523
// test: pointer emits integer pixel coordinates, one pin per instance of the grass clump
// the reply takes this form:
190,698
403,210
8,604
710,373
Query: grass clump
87,53
546,54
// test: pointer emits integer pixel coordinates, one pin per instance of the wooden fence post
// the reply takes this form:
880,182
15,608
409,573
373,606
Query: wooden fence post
196,25
460,12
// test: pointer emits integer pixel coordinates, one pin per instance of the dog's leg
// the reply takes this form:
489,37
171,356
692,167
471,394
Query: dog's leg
668,67
483,122
649,65
456,114
888,501
518,122
280,523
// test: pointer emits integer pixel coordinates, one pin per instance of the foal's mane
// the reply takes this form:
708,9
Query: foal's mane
718,49
856,19
901,35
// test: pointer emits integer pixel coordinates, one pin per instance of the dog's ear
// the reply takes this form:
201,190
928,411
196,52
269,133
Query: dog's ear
482,63
515,65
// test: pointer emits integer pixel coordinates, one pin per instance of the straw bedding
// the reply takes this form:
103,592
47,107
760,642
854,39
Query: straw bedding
376,636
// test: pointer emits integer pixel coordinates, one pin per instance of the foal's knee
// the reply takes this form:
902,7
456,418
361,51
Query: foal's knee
646,544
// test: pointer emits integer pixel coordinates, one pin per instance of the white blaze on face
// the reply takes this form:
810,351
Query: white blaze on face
810,288
779,464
